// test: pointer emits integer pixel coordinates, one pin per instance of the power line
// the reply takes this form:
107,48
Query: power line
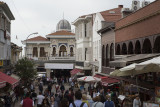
20,16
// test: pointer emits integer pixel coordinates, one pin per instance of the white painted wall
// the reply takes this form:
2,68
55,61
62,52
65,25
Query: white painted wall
97,25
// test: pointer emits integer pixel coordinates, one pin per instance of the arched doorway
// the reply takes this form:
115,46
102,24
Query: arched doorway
124,49
130,48
35,52
42,52
103,53
71,51
62,51
107,56
54,51
118,50
157,45
112,52
147,48
138,47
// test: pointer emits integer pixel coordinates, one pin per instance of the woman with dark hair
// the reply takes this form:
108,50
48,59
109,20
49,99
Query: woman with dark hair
64,103
45,103
97,102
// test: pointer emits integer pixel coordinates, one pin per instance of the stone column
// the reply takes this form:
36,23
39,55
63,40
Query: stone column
93,70
48,71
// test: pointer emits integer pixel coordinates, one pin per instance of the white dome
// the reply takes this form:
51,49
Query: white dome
63,25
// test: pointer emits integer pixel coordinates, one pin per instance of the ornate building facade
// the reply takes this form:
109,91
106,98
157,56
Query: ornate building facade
55,54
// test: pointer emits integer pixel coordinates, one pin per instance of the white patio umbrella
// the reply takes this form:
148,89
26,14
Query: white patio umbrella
89,79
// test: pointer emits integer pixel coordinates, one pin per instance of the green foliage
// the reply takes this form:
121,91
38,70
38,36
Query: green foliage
25,69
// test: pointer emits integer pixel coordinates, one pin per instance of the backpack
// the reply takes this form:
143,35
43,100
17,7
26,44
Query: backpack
80,105
109,104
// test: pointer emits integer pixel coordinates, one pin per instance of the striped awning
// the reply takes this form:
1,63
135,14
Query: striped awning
2,83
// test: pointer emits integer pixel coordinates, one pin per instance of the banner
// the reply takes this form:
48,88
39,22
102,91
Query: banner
58,66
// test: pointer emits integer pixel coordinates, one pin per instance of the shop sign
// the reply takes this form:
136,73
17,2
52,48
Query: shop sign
1,62
145,104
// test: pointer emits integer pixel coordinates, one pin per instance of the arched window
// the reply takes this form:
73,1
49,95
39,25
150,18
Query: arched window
112,52
71,51
124,49
137,47
130,48
118,51
42,52
107,56
54,51
62,51
147,48
35,52
157,45
103,53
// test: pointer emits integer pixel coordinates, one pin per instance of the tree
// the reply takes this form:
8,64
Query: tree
25,69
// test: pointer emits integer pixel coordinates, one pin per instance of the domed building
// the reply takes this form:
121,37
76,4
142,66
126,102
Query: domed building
55,53
63,25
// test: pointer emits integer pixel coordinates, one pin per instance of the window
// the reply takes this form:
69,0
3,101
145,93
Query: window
54,51
71,51
85,53
42,52
85,30
35,52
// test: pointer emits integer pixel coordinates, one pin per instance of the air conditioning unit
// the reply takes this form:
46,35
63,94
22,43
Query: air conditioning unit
135,5
125,9
145,3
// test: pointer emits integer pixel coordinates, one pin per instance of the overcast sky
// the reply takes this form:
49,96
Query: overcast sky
42,16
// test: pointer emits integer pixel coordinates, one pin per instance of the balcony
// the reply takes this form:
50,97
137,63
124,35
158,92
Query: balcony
53,58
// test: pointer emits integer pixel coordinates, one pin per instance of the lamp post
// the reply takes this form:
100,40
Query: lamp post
27,39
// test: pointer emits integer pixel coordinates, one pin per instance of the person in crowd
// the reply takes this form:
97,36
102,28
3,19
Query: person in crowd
31,87
137,102
84,99
57,100
41,87
97,102
7,100
34,96
49,88
40,98
52,103
71,95
45,103
64,102
27,102
62,88
57,87
89,99
108,102
78,102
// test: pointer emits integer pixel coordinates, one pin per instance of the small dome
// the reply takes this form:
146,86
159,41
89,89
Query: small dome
63,25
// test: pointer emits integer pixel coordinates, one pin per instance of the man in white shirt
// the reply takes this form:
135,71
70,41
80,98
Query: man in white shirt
137,102
40,98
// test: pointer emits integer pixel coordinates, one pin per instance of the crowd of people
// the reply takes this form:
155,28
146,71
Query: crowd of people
52,94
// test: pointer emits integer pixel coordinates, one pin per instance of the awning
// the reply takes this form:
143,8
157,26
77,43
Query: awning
2,83
106,80
75,71
9,79
15,77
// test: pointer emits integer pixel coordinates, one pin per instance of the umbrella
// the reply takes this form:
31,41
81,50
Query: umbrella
89,79
125,71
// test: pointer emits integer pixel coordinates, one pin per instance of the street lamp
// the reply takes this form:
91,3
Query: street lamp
27,39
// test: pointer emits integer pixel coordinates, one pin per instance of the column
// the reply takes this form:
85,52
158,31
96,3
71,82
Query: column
38,51
48,71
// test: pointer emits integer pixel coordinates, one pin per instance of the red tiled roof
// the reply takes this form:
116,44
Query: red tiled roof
9,79
112,17
62,33
38,38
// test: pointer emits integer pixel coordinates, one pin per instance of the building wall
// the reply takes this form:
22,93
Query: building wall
83,43
142,23
97,25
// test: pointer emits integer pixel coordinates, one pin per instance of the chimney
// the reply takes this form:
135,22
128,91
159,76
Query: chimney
120,6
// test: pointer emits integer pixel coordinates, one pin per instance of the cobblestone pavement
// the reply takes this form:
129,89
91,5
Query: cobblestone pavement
17,104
